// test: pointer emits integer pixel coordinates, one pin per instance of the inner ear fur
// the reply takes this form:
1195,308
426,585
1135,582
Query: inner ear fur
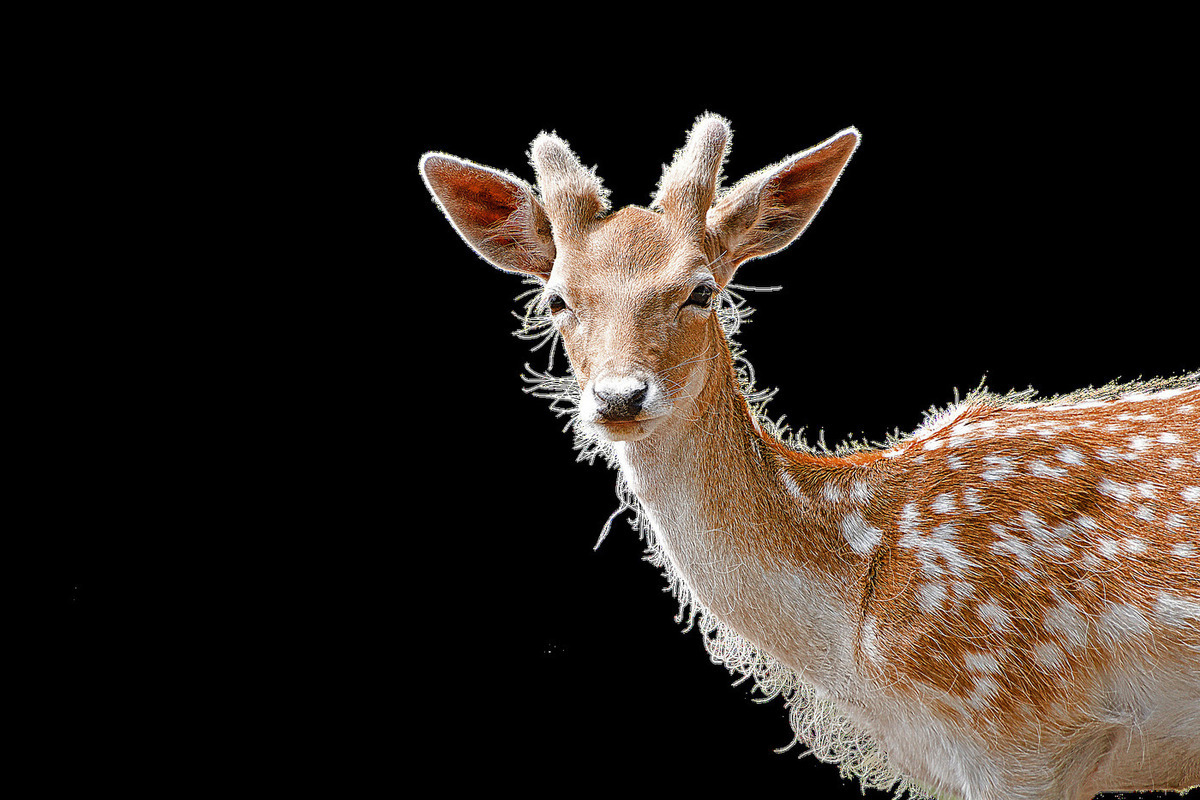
766,211
495,213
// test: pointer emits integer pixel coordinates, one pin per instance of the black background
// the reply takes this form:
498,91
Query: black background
304,524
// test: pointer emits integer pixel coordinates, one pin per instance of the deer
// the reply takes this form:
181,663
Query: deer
1002,604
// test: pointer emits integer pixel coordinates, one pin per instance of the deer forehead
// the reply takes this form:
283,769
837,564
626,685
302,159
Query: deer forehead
632,252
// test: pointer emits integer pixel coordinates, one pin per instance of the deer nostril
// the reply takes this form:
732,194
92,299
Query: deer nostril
621,399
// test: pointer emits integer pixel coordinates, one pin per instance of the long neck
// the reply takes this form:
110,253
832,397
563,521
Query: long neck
726,505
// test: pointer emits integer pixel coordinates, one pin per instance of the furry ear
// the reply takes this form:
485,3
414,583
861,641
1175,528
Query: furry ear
495,213
766,211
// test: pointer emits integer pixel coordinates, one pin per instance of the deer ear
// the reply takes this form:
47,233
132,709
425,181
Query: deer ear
767,210
496,214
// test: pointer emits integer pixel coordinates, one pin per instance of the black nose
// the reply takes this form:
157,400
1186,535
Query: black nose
620,401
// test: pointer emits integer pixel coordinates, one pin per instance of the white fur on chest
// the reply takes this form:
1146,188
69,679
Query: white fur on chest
794,617
784,612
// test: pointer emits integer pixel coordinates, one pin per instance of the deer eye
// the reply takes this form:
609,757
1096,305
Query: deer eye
555,303
701,296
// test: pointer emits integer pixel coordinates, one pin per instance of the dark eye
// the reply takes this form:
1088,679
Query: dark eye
701,296
555,303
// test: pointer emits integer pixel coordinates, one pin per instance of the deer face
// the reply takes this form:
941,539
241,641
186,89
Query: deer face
635,305
633,293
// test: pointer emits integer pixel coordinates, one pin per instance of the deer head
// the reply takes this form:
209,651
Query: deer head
633,292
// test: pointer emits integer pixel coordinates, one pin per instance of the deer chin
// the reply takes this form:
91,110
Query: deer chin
624,431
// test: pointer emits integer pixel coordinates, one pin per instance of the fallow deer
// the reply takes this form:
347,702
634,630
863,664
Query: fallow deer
1003,604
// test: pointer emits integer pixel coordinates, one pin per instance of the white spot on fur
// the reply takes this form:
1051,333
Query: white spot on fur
1068,455
861,537
1115,489
994,616
1040,469
1049,655
1065,620
1182,549
1191,494
931,595
982,662
1001,468
1046,541
1122,622
831,492
1108,547
985,689
938,545
943,504
860,492
1169,438
1007,543
1176,610
971,499
793,488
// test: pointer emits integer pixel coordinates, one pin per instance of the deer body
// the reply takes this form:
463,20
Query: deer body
883,581
1006,602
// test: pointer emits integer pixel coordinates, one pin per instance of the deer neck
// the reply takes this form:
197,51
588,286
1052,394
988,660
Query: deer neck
711,483
711,436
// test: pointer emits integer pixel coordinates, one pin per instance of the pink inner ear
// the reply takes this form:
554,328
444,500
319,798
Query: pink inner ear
487,202
810,180
496,215
806,184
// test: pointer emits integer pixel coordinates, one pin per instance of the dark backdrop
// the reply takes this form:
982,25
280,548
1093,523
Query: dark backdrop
310,526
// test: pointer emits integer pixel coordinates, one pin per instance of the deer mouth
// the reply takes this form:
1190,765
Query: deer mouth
624,430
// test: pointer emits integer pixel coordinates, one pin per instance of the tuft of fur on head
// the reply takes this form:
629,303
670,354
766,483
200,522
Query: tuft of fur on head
690,184
573,195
